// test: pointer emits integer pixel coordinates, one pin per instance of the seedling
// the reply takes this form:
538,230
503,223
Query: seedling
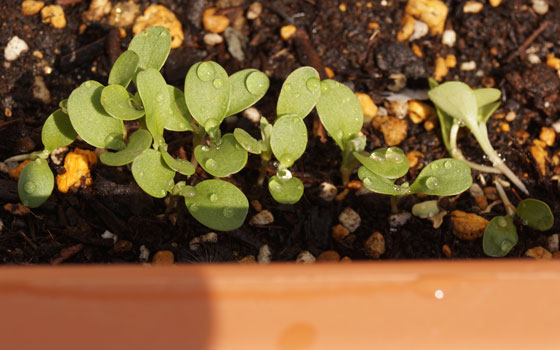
381,169
458,105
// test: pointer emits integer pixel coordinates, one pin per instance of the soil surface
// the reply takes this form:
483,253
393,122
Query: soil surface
357,41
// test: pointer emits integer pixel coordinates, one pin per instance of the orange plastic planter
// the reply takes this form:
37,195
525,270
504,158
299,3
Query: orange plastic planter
408,305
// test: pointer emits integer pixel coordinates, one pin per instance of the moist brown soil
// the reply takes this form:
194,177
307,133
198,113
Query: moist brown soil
68,227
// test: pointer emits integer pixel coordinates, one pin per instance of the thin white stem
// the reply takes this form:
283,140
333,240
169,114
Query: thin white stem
19,158
507,204
457,154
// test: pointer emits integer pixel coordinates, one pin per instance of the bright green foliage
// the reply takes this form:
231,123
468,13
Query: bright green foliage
57,131
389,162
285,191
487,101
247,87
155,97
535,214
180,165
152,46
138,142
152,174
124,69
36,183
180,119
300,93
64,105
443,177
340,111
119,104
456,99
207,91
499,236
89,119
378,184
288,139
217,204
248,142
222,159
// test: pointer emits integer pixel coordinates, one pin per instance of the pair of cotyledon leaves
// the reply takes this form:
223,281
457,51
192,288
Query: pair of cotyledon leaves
500,236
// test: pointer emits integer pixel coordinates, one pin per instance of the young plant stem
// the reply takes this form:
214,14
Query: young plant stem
349,162
395,204
457,154
198,137
507,204
262,171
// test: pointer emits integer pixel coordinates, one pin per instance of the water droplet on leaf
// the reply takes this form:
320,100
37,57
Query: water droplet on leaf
228,212
284,174
29,187
159,97
447,164
211,124
288,87
256,83
204,148
324,87
218,83
205,71
211,164
313,84
435,166
190,191
393,156
506,245
502,222
193,207
432,182
213,197
367,182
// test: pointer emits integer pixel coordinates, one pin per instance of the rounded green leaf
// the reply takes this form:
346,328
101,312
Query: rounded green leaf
124,68
207,91
443,177
457,100
378,184
155,98
386,162
217,204
138,142
300,93
222,160
89,119
63,104
248,142
57,131
425,209
288,139
119,104
486,96
35,183
152,47
180,165
247,87
535,214
152,174
499,236
180,118
285,191
340,111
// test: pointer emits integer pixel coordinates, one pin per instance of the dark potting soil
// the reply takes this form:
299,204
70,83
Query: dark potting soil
358,43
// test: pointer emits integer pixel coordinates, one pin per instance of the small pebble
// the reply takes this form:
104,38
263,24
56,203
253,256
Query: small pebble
553,62
441,69
263,217
540,6
15,48
468,226
533,59
339,233
400,219
511,116
538,253
97,10
328,256
214,23
212,39
264,255
346,259
305,257
249,259
431,12
414,158
547,135
286,32
394,129
449,37
369,109
495,3
407,28
254,10
420,30
540,154
354,185
109,235
553,243
328,191
252,114
144,254
31,7
122,246
123,15
419,111
450,61
159,15
350,219
1,225
40,90
375,245
163,257
194,243
398,82
54,14
473,7
256,205
468,66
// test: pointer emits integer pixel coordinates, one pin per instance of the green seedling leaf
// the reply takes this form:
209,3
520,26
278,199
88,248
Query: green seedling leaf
300,93
486,96
285,191
247,87
535,214
339,111
207,91
288,139
378,184
222,160
486,111
445,120
499,237
386,162
217,204
57,131
180,119
457,100
119,104
425,209
155,98
138,142
180,165
266,132
35,183
443,177
152,174
64,105
124,68
432,83
152,47
248,142
89,119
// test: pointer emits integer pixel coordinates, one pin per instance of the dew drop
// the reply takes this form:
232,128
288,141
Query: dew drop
182,125
397,188
432,182
205,71
284,174
190,192
29,187
506,245
211,124
193,207
204,148
141,174
339,134
256,83
378,156
163,34
228,212
218,83
288,87
367,182
313,84
287,160
210,164
162,192
393,155
213,197
502,222
275,186
159,97
325,87
299,187
447,164
87,84
435,166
